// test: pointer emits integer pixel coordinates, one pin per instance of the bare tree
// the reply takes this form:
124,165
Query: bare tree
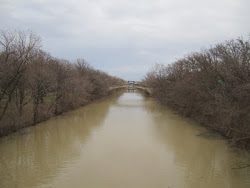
17,52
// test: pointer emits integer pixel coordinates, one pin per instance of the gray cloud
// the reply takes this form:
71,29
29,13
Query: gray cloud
125,37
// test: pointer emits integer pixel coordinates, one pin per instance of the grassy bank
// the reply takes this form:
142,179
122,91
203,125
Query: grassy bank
211,87
35,86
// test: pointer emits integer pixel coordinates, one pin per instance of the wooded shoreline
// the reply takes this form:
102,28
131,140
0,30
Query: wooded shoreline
34,86
211,87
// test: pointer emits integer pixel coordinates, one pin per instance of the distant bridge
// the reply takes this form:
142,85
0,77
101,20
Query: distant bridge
131,86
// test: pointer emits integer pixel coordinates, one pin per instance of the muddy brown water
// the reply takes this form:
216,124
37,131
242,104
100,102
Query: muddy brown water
123,140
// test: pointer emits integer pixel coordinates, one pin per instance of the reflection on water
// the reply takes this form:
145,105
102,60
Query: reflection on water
203,162
124,140
131,90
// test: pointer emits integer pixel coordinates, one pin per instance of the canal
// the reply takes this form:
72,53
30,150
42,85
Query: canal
124,140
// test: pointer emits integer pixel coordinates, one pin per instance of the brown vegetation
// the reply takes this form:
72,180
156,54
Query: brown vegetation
212,87
35,86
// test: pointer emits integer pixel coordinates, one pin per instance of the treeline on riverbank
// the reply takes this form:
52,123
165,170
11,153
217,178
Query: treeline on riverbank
35,86
212,87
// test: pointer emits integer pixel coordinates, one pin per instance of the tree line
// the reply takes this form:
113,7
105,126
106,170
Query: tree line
35,86
211,86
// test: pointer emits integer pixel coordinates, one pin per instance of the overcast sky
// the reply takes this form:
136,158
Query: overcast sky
127,37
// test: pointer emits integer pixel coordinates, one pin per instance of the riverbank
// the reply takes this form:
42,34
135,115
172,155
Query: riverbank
211,87
9,129
34,86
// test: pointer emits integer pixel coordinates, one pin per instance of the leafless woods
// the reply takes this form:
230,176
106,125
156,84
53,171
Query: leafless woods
35,86
211,86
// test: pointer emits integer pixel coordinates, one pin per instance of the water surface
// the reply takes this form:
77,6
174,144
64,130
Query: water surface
124,140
